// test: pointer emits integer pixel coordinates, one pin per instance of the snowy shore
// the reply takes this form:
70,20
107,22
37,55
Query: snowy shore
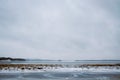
59,68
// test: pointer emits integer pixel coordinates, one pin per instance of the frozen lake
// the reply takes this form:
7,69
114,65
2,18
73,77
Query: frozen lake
61,73
60,76
34,61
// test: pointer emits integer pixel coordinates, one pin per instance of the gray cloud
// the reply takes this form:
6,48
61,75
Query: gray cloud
67,29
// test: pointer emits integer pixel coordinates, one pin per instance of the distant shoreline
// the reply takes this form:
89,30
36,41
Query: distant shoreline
24,59
11,59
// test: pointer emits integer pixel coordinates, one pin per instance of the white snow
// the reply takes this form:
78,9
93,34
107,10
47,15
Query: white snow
59,69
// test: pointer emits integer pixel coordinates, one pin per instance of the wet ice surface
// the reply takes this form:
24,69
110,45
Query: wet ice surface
61,76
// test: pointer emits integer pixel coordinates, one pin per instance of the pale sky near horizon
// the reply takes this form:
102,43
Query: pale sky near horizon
60,29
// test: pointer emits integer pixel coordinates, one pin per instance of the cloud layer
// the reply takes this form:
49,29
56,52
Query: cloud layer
62,29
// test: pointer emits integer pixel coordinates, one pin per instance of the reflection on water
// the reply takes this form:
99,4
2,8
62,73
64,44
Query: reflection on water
60,76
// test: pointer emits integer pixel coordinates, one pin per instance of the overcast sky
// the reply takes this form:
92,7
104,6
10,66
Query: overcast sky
60,29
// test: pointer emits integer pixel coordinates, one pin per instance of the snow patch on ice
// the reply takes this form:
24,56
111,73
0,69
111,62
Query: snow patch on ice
92,69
